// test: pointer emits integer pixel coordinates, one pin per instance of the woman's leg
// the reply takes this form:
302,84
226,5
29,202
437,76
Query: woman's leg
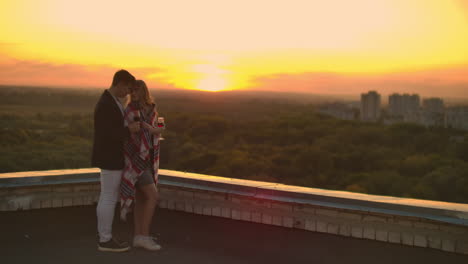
138,211
146,202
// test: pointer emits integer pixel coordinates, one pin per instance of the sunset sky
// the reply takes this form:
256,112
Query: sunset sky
317,46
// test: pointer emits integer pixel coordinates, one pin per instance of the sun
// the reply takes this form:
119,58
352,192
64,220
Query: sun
211,78
212,83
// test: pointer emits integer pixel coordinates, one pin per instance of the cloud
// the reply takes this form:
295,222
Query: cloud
463,5
36,73
444,82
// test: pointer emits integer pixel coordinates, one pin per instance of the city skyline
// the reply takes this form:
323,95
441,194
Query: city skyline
401,108
331,47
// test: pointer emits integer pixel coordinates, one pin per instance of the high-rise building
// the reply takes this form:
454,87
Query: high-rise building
403,105
457,117
433,105
370,106
395,105
433,112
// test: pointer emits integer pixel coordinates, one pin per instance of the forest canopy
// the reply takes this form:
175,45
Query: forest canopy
248,136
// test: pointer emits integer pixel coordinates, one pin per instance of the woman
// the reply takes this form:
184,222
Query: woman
140,174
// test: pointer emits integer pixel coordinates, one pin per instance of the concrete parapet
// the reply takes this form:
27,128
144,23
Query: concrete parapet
411,222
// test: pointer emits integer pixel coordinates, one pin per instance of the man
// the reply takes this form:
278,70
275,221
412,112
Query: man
109,135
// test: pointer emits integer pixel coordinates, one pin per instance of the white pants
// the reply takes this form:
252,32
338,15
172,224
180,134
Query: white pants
110,185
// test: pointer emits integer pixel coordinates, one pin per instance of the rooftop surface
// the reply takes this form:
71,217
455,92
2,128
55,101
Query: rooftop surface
68,235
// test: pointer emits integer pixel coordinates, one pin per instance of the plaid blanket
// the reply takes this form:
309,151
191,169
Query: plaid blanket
138,156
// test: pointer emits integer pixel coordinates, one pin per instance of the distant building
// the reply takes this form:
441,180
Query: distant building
433,112
434,105
406,106
395,105
457,117
370,106
390,120
340,111
428,119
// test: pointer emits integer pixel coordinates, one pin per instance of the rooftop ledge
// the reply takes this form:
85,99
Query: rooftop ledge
452,213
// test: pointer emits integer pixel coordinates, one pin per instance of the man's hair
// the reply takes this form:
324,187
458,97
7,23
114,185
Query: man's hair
122,76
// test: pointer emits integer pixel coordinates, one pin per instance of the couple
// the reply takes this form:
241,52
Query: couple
126,149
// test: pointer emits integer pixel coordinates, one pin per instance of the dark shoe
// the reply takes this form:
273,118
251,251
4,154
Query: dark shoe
113,245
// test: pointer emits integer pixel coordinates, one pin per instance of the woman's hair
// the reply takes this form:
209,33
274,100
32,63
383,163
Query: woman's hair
147,98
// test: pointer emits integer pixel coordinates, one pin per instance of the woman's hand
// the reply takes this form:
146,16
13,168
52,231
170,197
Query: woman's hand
134,127
153,130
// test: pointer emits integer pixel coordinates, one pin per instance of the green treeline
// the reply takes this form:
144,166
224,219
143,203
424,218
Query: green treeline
251,138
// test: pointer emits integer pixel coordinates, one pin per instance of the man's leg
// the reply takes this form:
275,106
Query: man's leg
110,184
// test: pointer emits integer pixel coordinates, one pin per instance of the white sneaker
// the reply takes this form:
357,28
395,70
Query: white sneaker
145,242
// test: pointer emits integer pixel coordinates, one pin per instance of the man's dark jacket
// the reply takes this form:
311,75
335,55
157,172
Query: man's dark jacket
109,134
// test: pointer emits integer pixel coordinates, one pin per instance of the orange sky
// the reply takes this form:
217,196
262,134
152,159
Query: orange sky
328,47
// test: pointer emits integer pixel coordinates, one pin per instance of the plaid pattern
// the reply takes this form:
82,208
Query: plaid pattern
137,155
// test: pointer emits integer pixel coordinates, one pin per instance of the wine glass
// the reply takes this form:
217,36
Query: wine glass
161,124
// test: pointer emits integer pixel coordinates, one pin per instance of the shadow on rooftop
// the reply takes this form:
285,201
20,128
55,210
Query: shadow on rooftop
68,235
